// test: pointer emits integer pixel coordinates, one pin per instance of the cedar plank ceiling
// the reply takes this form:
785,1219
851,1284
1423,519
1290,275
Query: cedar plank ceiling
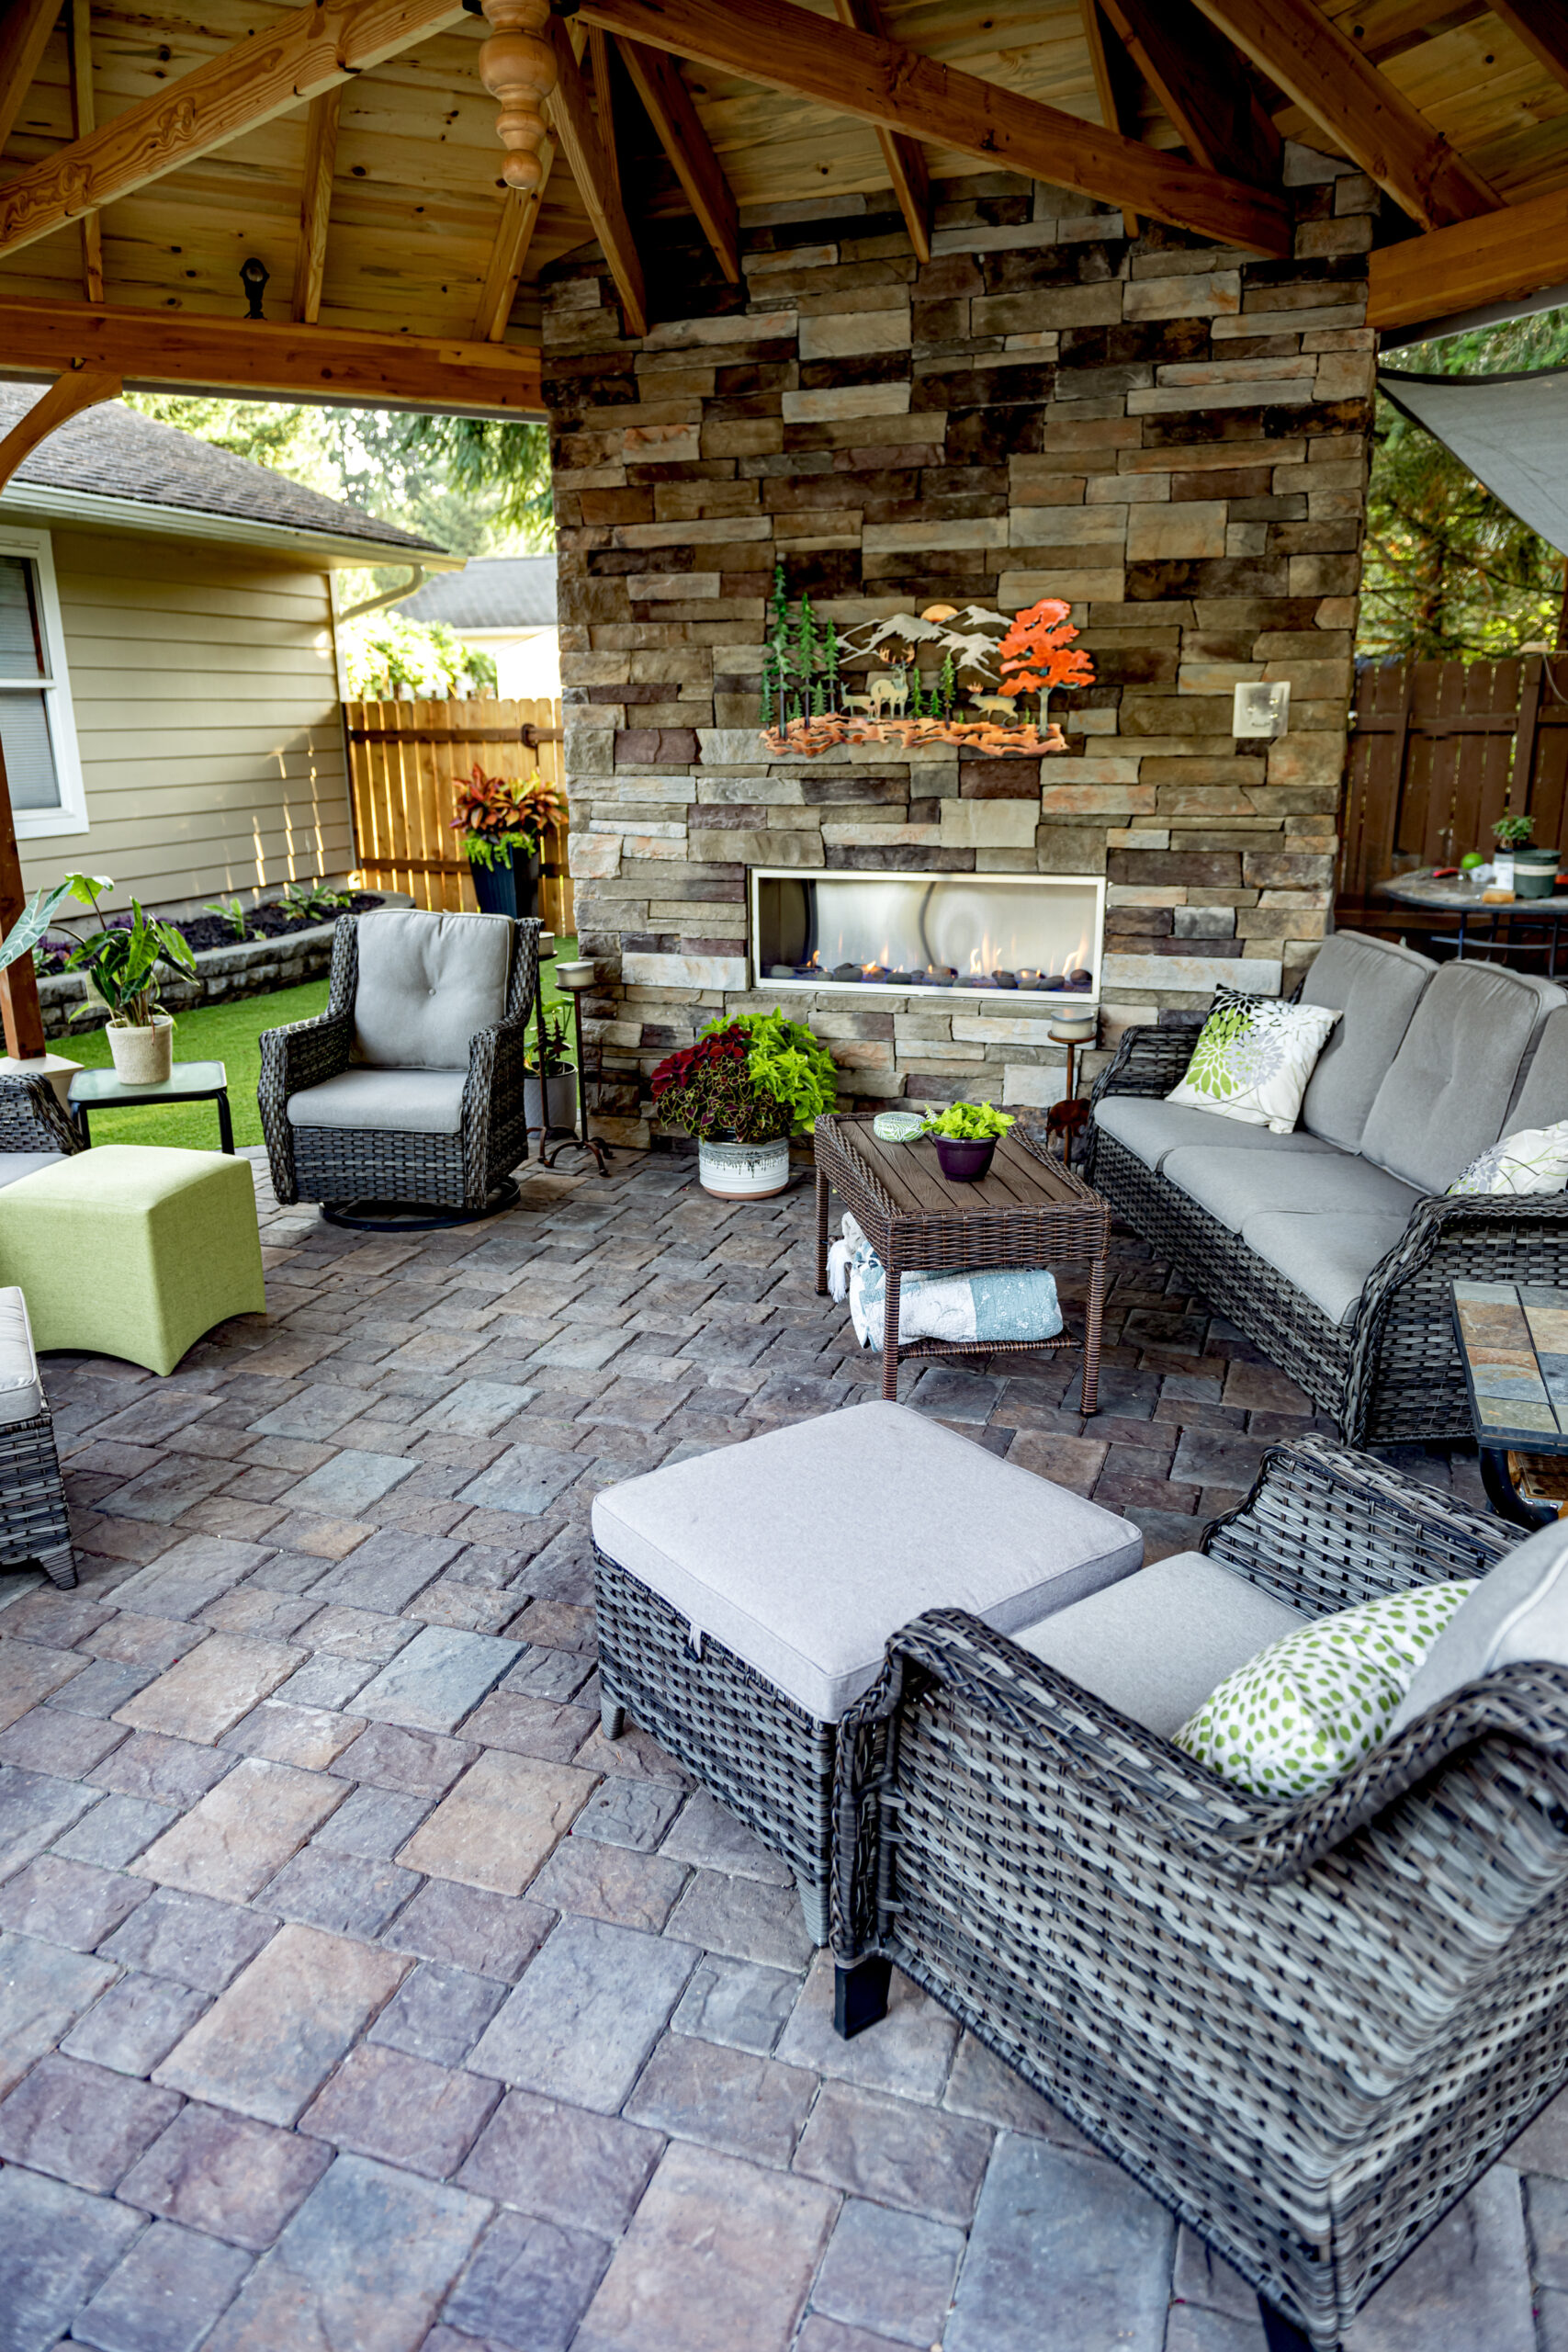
417,191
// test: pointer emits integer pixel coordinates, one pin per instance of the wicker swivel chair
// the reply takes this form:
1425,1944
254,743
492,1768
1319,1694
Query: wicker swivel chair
1305,2025
409,1088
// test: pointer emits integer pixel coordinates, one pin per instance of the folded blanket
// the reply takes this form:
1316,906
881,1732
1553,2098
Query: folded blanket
1015,1303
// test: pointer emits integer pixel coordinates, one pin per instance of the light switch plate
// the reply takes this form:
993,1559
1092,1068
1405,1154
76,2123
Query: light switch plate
1260,710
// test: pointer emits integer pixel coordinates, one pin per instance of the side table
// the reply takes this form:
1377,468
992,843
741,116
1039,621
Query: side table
1030,1210
100,1090
1512,1343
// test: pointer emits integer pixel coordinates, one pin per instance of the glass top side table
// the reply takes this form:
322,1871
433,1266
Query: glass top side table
101,1090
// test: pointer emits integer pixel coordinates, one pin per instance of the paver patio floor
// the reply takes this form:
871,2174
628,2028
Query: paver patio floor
354,1992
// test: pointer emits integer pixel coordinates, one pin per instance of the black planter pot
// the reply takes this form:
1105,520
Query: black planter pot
510,887
965,1163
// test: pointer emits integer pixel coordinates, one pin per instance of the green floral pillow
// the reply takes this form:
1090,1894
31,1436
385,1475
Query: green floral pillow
1252,1059
1313,1703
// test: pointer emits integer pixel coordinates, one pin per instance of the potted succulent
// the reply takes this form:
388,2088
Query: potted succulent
1511,834
560,1074
120,960
742,1091
966,1136
501,824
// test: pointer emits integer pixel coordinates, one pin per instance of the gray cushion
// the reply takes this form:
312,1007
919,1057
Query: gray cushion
1326,1257
16,1164
1153,1128
1233,1186
1452,1081
1518,1613
426,982
1154,1646
1376,986
21,1391
803,1550
1541,1098
395,1102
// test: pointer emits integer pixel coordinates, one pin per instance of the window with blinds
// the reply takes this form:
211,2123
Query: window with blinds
37,735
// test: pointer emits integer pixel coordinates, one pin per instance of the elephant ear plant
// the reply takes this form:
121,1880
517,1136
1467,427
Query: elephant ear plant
120,961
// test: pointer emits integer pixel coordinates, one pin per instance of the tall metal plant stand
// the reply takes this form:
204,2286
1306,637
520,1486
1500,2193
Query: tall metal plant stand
574,979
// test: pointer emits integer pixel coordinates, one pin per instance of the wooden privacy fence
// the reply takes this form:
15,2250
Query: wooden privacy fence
1438,750
406,760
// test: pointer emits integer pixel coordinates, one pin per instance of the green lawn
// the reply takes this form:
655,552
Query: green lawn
226,1034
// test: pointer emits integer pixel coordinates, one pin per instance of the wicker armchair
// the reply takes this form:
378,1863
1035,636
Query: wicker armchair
1391,1375
33,1124
1306,2025
464,1172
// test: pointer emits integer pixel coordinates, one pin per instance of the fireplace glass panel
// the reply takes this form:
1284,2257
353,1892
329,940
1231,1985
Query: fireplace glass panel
1036,934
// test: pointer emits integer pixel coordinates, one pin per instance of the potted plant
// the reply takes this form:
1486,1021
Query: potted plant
1511,834
560,1074
966,1136
501,824
742,1091
120,961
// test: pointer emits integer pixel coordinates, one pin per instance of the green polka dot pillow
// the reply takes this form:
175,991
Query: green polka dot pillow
1313,1703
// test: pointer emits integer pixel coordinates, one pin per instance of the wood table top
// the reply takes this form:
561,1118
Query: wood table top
1512,1338
1020,1180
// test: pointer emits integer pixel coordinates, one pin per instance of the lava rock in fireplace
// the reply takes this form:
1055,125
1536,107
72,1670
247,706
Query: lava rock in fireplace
845,972
781,972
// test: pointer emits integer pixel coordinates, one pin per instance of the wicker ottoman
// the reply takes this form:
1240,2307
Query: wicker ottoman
745,1598
134,1251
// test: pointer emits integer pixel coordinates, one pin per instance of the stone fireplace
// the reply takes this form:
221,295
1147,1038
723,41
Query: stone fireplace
1170,436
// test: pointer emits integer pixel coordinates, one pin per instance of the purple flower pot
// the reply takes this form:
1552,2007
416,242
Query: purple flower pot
965,1163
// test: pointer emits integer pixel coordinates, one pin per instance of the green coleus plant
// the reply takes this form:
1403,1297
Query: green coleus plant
785,1062
969,1123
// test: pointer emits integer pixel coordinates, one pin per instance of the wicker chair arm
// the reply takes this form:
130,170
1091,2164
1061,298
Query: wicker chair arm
1148,1061
31,1118
497,1058
304,1054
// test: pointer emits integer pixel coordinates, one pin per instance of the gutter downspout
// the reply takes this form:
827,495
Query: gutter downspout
417,577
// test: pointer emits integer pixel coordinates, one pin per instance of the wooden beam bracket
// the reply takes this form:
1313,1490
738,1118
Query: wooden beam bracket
571,119
657,81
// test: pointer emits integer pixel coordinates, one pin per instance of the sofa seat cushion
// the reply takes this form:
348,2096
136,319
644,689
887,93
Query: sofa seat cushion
1325,1255
21,1390
397,1102
1151,1127
13,1165
1231,1186
805,1550
1155,1645
1377,987
426,983
1451,1083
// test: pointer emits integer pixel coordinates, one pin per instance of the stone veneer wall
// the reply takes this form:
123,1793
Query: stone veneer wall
1172,436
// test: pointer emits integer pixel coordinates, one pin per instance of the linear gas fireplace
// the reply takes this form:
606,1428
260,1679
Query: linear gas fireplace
1035,935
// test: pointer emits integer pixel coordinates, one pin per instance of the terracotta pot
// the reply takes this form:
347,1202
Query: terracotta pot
144,1056
965,1163
743,1171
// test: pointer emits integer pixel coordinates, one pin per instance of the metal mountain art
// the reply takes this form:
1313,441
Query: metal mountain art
973,688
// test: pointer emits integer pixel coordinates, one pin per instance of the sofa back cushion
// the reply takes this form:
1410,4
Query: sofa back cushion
1450,1085
1542,1096
1376,986
1517,1615
426,983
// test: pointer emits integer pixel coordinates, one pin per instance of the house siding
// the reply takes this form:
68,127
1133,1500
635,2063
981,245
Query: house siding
205,694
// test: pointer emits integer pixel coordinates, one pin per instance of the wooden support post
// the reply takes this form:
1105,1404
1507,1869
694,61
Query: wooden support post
315,204
83,119
19,1008
514,235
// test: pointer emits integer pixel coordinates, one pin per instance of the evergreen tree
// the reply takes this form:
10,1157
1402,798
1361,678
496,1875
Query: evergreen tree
806,656
770,680
917,708
947,687
830,665
779,642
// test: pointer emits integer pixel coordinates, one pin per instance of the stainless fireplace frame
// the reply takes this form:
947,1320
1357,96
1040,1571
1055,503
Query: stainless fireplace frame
1049,999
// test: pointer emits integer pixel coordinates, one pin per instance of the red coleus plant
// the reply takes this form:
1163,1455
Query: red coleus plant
704,1089
1038,652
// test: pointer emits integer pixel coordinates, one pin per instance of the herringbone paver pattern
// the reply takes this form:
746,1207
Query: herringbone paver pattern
354,1992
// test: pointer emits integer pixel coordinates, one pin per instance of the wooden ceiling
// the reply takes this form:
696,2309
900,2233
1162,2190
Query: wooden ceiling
375,197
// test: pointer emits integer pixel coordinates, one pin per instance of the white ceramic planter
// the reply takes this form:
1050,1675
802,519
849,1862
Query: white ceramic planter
743,1171
560,1099
144,1056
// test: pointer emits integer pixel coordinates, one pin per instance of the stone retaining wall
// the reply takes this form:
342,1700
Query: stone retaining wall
1170,436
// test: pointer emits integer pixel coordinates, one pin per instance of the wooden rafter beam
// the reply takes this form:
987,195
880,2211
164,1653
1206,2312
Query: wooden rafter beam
605,107
1200,83
79,388
787,48
657,81
315,205
572,119
24,28
1542,26
1508,253
514,235
164,351
1360,109
308,52
83,119
1112,76
905,157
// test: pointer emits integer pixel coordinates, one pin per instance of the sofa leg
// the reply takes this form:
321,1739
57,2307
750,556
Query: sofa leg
1280,2334
859,1996
611,1719
59,1565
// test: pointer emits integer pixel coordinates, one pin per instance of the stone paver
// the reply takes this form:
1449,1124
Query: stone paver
390,2007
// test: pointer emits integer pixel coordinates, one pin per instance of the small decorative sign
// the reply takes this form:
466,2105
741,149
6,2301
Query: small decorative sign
973,690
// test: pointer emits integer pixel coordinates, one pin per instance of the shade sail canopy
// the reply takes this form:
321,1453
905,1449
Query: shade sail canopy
1511,431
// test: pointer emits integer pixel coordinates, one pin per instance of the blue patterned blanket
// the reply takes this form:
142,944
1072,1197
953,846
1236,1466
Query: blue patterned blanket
1016,1303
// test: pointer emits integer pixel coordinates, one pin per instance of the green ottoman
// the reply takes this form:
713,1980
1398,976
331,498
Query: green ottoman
129,1251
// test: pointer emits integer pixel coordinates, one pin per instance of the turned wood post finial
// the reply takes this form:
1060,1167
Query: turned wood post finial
517,66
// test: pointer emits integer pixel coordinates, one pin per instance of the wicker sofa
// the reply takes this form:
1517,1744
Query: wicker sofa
409,1088
1304,2025
1334,1247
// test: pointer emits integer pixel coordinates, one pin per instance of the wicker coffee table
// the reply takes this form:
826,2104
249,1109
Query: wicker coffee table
1029,1211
